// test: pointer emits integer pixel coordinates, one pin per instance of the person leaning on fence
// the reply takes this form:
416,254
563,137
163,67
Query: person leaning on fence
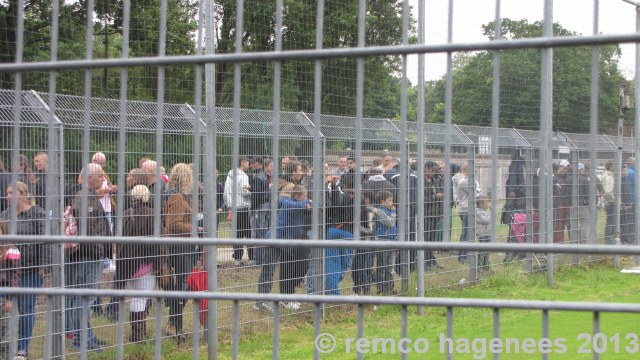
36,256
339,203
178,210
386,230
9,277
83,265
139,261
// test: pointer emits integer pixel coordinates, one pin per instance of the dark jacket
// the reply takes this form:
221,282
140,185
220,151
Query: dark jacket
340,210
260,193
137,221
433,206
97,225
31,222
584,192
40,187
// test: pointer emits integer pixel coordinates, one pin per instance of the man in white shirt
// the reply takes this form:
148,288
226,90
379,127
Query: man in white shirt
237,196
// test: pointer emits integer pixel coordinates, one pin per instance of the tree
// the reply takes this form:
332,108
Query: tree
383,27
520,83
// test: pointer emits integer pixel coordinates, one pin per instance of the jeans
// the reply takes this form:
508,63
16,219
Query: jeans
86,275
338,261
26,306
314,280
260,221
270,257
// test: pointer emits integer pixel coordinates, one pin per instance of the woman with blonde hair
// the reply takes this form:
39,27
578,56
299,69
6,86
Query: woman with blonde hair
178,218
35,256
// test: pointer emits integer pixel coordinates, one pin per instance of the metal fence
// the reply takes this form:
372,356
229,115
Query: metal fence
193,248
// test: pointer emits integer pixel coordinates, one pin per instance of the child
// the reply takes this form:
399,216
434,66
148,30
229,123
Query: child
386,230
483,228
9,277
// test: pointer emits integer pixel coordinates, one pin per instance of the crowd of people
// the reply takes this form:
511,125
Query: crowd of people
247,194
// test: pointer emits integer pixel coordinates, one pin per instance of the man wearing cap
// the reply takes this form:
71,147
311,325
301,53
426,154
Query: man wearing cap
260,202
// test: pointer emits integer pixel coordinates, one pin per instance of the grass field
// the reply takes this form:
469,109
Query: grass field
590,283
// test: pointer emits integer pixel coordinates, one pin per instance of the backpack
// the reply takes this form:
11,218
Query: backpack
70,226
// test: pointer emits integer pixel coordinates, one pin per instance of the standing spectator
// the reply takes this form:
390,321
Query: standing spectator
631,189
351,164
561,199
139,260
149,168
285,160
584,213
260,203
412,199
342,167
41,163
483,229
291,219
433,209
460,183
386,230
178,211
25,173
608,199
106,190
9,277
219,199
83,265
389,166
626,220
361,271
35,256
237,196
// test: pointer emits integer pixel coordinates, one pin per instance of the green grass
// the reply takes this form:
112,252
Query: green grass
596,283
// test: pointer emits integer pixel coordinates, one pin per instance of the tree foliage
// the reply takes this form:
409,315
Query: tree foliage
520,84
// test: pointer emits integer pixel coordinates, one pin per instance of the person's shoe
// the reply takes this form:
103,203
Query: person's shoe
94,344
262,306
236,262
98,342
21,355
291,305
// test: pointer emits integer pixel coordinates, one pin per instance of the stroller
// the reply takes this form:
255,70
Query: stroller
517,234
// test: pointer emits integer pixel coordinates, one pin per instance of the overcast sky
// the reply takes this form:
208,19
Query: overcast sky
616,17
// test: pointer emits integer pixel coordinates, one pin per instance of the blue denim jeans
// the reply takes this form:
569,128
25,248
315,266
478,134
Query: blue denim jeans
26,307
85,275
338,260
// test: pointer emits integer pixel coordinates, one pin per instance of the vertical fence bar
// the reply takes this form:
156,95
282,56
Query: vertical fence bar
404,231
157,355
545,329
210,166
196,330
546,125
496,329
636,219
124,76
360,329
275,350
54,343
48,328
420,148
317,317
235,338
403,328
592,221
450,332
448,102
495,124
595,339
13,324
